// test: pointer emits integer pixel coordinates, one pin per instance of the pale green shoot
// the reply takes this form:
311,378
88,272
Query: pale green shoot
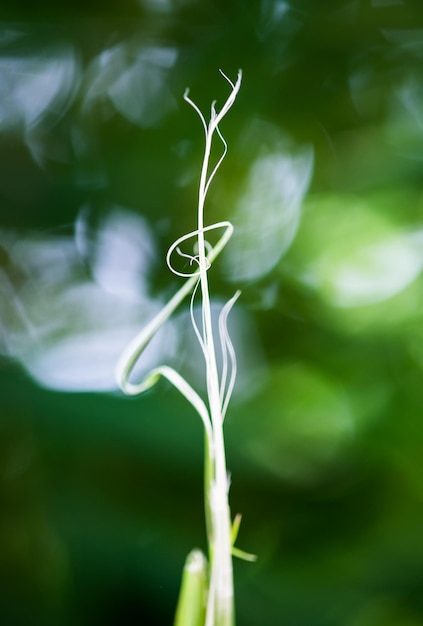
191,609
205,600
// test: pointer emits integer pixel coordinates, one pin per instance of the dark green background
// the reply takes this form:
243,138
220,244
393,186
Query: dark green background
101,496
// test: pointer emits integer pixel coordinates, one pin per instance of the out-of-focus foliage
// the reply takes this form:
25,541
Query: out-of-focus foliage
101,496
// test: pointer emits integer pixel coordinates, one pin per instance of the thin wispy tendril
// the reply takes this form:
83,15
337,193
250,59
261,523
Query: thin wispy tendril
229,365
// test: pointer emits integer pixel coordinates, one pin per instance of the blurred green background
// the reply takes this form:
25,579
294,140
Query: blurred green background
100,495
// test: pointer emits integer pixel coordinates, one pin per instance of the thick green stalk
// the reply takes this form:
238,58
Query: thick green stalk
220,603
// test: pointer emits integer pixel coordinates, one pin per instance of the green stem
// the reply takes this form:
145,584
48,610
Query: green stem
220,602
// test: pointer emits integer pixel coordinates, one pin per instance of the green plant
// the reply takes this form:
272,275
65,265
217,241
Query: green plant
207,596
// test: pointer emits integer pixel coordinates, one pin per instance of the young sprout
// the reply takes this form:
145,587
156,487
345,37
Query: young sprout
207,596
